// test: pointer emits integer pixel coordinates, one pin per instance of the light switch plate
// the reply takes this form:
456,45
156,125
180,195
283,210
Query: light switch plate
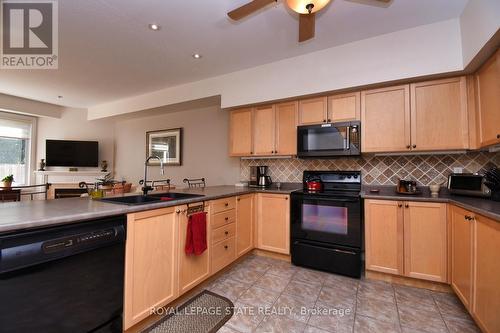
458,170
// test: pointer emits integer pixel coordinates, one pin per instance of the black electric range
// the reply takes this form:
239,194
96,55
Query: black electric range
326,225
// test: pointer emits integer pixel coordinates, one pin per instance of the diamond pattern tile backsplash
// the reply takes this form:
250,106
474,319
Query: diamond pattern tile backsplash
379,170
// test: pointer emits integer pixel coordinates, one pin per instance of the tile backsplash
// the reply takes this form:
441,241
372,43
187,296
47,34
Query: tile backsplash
379,170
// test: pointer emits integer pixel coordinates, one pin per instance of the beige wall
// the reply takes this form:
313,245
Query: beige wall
73,125
205,146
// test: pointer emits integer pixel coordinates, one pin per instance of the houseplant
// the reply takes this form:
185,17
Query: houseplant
7,181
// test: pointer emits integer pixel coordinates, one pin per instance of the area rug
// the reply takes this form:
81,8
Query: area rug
206,312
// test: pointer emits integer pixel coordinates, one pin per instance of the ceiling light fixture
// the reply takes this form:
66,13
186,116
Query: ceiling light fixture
154,27
197,56
306,6
60,97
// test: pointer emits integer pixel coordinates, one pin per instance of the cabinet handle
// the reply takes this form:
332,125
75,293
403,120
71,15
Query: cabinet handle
286,198
400,205
251,153
408,147
414,146
177,211
498,136
324,120
226,218
225,247
275,151
238,199
406,205
329,120
226,232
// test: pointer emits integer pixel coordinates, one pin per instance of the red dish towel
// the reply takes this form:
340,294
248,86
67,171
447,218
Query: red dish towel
196,235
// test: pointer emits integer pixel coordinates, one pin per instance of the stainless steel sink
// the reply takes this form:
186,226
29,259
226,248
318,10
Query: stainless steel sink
133,200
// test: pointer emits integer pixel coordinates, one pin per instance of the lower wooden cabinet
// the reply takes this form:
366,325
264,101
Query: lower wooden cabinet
151,263
244,224
406,238
486,280
461,254
273,222
192,269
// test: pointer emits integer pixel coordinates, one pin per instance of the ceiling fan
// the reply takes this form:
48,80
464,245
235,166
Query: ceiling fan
305,8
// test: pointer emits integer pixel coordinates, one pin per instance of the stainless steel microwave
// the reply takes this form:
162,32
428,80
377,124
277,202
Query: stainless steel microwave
329,140
468,184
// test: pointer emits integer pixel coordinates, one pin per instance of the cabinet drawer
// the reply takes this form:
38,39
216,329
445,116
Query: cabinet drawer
223,253
223,205
218,220
224,232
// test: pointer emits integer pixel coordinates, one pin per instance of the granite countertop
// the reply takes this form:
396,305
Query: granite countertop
23,215
486,207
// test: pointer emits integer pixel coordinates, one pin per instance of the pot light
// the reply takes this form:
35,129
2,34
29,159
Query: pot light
154,27
306,6
197,56
59,97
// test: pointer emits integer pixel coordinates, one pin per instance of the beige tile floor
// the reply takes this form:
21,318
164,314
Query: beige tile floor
271,295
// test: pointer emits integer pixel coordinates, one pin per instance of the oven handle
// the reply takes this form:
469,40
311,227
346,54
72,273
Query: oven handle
348,138
329,199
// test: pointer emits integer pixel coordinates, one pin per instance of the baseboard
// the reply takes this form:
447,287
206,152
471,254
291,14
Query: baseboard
269,254
411,282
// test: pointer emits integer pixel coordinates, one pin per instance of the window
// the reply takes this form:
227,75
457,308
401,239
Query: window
16,147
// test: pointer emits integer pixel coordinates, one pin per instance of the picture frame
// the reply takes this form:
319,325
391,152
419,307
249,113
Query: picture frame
166,144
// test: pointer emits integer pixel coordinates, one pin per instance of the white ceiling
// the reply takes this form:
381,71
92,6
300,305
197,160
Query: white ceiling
107,52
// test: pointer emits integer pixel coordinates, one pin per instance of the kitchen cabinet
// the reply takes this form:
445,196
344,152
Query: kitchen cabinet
264,130
192,269
384,236
344,107
439,119
488,101
385,119
425,241
244,224
286,129
273,222
486,279
240,132
313,111
406,238
151,263
461,254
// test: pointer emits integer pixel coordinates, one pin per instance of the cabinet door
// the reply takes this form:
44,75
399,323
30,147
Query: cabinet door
286,128
425,242
151,263
344,107
313,111
385,116
487,274
384,236
264,126
488,91
273,223
240,132
244,224
439,119
192,269
461,254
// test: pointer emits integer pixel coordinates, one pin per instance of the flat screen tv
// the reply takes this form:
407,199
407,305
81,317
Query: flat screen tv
72,153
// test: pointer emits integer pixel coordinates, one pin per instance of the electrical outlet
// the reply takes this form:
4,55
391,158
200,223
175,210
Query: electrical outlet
458,170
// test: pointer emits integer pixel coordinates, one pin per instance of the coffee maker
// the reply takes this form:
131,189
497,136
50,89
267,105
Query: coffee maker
259,177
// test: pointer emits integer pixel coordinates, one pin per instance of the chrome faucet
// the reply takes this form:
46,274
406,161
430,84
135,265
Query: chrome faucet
146,188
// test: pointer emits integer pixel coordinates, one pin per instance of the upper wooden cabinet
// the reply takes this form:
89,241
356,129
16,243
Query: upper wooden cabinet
286,129
151,263
313,111
425,241
406,238
385,116
273,222
439,119
461,254
488,101
264,130
244,224
425,116
240,132
344,107
486,274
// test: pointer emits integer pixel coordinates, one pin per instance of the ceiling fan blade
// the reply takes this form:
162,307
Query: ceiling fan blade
306,26
248,9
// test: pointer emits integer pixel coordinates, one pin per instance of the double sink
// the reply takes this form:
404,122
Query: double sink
133,200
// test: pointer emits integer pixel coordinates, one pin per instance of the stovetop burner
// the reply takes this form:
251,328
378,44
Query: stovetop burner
333,182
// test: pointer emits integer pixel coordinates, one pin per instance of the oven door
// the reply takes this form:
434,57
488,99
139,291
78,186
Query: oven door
326,219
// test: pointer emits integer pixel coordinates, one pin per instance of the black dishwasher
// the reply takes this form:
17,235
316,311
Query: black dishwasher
63,279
